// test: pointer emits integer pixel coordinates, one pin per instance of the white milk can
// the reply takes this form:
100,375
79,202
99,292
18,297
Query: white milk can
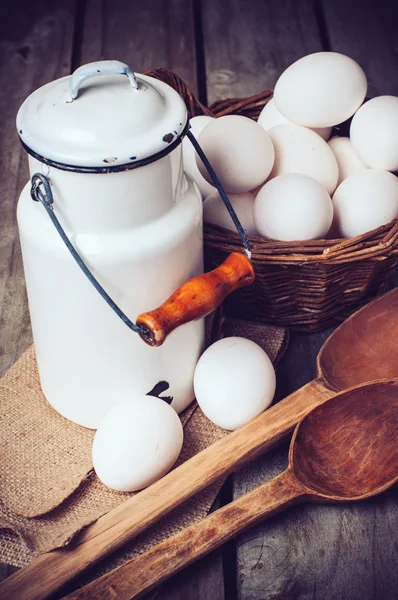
108,147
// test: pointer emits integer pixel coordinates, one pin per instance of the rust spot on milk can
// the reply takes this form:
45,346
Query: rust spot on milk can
169,137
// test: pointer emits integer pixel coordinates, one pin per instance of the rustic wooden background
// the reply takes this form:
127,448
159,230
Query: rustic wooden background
221,49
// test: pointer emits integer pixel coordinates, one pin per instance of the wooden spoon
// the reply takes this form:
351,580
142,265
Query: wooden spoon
344,450
362,349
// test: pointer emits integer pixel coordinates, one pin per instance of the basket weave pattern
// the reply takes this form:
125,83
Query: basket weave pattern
306,286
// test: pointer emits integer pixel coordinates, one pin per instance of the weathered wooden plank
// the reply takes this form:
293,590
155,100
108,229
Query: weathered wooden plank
309,552
197,581
147,35
322,553
346,551
144,34
204,579
6,571
367,31
248,44
35,47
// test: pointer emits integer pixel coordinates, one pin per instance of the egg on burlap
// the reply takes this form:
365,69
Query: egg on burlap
234,382
137,443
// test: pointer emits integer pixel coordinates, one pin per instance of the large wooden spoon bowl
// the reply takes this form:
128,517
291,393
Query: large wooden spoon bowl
347,448
364,347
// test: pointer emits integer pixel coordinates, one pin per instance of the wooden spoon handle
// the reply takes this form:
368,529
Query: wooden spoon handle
196,298
50,571
151,568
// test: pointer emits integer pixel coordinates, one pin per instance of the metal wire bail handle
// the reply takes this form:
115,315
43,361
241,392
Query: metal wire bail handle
45,196
222,193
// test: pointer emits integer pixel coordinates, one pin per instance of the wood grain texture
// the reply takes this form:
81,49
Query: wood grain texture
196,298
145,35
348,358
349,553
144,572
248,44
315,552
6,571
35,47
311,552
37,44
343,450
367,31
50,571
204,579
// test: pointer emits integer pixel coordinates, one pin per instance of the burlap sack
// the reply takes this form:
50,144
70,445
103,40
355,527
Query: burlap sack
21,537
44,457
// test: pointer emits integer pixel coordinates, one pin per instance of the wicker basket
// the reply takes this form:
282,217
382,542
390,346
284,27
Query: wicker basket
305,286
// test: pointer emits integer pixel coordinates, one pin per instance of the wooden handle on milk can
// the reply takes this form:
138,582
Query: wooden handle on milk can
196,298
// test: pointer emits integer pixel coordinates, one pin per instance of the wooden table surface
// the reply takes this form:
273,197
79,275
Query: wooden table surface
221,49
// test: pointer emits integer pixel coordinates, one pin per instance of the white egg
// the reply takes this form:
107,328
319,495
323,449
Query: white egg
240,152
374,133
300,150
214,211
137,443
188,155
321,89
365,201
270,116
347,159
234,382
293,207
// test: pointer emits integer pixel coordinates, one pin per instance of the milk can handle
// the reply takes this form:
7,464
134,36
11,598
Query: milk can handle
45,196
194,299
102,67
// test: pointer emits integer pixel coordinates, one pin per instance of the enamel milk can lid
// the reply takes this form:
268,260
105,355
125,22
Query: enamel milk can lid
97,121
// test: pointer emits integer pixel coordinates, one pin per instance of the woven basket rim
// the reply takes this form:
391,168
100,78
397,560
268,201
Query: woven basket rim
377,244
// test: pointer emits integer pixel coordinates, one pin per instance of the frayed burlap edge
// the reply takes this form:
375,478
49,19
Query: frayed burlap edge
21,539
